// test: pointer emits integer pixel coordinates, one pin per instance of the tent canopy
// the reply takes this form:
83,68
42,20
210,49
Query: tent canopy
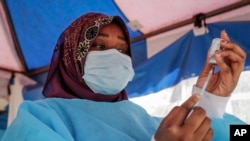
29,29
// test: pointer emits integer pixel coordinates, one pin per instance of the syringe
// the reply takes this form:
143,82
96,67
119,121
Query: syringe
203,89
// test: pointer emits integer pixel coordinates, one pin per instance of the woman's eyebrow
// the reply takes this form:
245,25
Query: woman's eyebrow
122,38
106,35
103,34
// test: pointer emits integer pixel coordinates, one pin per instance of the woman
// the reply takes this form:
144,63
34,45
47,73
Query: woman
86,100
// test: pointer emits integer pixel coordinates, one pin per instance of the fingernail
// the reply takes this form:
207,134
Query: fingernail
197,97
225,32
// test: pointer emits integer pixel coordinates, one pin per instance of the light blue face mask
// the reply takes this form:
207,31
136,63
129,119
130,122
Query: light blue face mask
107,72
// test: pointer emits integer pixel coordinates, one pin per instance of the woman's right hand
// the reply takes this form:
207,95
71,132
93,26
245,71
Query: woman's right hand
182,124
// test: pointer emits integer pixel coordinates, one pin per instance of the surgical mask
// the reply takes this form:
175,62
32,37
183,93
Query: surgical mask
107,72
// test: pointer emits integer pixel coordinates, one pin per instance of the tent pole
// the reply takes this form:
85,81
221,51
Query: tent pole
38,71
191,20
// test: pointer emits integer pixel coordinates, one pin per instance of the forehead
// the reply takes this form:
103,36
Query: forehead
112,27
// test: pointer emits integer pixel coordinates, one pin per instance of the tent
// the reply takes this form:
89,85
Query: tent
29,30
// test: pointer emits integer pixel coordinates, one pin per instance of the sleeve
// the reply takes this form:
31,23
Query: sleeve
31,126
213,105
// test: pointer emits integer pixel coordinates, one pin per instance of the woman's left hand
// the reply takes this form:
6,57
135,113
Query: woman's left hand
231,62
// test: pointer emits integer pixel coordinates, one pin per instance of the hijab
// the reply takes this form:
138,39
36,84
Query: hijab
64,78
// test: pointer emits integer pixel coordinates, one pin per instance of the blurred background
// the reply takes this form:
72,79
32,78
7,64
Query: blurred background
170,40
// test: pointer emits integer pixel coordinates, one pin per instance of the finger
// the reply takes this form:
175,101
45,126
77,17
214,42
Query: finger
232,57
195,120
236,62
206,68
224,68
205,71
170,118
203,129
224,36
234,47
179,113
209,135
186,108
189,104
226,43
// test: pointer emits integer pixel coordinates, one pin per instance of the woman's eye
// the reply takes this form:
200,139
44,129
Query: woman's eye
100,47
123,51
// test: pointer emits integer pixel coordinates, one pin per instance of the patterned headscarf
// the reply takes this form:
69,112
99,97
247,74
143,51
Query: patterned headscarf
66,69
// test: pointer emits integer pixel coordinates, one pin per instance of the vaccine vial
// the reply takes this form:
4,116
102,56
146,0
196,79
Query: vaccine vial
215,45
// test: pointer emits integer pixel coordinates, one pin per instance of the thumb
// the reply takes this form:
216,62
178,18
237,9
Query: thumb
207,67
